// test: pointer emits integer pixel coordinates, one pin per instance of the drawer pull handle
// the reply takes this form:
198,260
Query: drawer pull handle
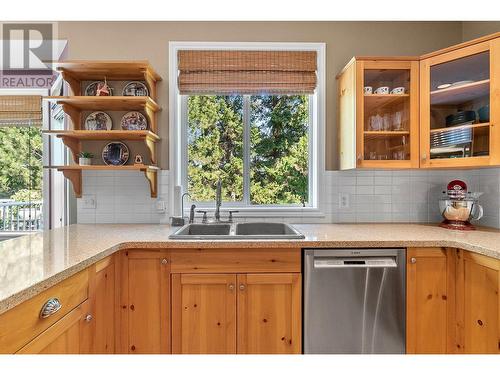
50,307
242,286
88,318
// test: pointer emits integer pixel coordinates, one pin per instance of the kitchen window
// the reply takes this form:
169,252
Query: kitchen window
259,136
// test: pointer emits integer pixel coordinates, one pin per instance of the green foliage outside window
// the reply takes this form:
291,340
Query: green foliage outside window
278,148
20,163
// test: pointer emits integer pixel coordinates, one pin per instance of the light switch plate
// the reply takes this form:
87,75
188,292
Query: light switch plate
88,202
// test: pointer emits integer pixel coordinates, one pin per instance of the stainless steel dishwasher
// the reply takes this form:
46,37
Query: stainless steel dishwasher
354,301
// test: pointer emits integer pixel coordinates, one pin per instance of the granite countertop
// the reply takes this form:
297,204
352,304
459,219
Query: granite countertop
35,262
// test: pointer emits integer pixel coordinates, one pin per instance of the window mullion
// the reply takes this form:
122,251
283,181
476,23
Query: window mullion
246,149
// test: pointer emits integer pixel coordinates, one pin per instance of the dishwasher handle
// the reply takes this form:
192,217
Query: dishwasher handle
355,262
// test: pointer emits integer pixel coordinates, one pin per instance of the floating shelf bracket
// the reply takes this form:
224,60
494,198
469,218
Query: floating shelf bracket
75,176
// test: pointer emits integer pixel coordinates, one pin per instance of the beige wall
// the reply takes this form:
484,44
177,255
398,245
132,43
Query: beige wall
476,29
149,40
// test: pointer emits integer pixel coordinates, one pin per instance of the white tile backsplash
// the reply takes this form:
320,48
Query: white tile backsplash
374,196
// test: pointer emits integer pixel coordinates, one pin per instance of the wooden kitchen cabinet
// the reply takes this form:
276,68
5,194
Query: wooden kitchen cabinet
427,299
204,314
379,130
229,313
72,334
236,300
145,302
269,313
478,310
105,306
460,106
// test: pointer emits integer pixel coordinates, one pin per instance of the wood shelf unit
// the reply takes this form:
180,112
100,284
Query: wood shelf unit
389,133
74,74
379,101
460,94
74,174
472,126
73,106
73,139
76,71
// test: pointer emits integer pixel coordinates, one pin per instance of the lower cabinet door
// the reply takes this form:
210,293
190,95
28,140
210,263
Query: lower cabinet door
203,314
426,301
146,303
269,313
72,334
105,307
481,306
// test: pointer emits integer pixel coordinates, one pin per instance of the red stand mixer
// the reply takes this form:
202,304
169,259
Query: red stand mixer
459,207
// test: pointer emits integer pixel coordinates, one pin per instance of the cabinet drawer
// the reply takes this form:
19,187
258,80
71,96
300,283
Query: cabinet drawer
235,260
21,324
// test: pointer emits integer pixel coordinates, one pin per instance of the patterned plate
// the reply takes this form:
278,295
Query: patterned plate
115,153
134,121
98,121
135,88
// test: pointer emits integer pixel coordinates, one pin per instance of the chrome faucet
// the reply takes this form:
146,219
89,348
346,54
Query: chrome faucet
218,200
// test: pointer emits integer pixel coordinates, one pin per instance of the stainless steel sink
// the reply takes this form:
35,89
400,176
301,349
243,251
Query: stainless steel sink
204,230
264,229
239,231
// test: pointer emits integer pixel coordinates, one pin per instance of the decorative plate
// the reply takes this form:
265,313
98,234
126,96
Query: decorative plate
98,121
135,88
115,153
91,89
134,121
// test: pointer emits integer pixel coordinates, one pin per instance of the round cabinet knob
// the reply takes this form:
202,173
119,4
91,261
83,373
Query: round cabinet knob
242,286
164,261
413,260
231,286
88,318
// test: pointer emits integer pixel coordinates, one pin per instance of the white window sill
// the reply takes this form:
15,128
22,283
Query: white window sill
262,212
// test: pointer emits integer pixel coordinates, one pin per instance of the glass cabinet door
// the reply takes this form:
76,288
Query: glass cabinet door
387,126
456,87
459,107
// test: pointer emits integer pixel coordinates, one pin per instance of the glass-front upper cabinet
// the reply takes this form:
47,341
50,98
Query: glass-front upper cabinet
379,127
458,105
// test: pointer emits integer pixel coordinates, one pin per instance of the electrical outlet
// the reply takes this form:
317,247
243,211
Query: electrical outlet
161,206
88,202
343,200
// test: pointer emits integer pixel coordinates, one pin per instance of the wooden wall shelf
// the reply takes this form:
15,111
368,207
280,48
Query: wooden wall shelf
74,105
73,139
374,102
460,94
76,71
472,126
74,174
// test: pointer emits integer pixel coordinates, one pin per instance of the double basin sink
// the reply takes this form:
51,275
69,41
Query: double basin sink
238,231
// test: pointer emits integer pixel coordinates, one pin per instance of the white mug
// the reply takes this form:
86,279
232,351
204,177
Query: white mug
382,90
368,90
398,90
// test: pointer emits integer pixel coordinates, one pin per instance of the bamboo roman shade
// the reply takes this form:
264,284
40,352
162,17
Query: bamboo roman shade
246,72
17,110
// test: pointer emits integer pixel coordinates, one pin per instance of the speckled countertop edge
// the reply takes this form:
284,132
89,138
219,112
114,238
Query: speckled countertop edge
34,289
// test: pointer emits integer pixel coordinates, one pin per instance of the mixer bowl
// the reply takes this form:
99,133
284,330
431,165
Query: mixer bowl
458,213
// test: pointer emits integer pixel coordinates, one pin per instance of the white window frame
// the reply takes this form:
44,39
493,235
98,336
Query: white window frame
178,133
